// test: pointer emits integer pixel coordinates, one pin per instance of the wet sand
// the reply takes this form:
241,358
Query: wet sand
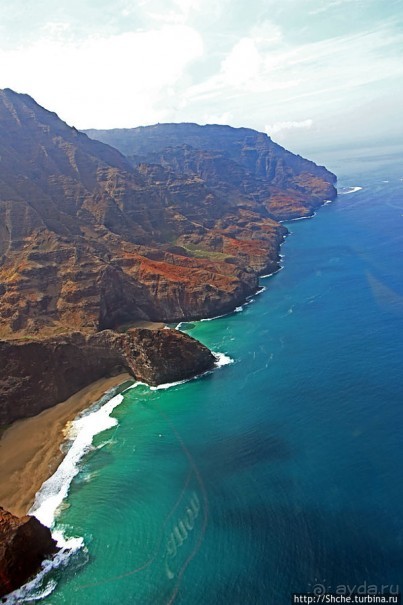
30,448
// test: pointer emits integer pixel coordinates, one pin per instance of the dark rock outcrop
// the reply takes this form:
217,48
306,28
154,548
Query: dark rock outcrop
24,544
37,374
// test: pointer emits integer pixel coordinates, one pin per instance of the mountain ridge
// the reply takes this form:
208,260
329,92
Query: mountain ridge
268,168
90,239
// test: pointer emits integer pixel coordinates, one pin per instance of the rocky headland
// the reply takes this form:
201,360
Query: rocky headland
24,544
38,373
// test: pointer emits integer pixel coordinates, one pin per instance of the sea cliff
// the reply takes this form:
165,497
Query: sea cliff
38,373
91,239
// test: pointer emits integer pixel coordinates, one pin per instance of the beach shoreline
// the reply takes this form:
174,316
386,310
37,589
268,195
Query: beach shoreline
30,448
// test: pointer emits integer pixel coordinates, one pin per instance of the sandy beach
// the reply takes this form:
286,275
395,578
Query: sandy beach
30,448
150,325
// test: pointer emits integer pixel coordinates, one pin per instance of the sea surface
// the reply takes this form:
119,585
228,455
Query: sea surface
279,472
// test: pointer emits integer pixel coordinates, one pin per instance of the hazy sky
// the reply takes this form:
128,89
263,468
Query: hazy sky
309,72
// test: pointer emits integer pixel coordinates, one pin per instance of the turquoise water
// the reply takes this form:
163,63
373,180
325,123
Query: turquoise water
276,473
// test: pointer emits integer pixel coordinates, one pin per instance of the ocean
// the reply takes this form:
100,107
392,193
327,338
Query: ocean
279,472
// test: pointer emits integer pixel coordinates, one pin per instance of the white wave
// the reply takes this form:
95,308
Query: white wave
168,385
135,385
222,359
216,317
39,587
348,190
81,433
273,273
250,299
299,218
242,307
326,202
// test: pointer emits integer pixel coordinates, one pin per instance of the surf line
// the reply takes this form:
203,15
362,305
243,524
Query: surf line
349,190
195,503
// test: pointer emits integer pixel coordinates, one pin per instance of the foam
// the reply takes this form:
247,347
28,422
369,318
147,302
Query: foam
349,190
134,386
168,385
299,218
222,359
216,317
251,298
80,435
38,588
273,273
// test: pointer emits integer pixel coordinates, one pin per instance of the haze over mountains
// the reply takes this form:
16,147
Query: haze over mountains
180,228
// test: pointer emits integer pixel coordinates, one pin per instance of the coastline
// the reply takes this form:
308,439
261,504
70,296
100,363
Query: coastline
30,448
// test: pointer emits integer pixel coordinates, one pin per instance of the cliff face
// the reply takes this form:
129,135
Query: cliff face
85,238
238,162
90,239
24,544
37,374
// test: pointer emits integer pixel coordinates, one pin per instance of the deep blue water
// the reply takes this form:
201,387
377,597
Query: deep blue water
282,470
